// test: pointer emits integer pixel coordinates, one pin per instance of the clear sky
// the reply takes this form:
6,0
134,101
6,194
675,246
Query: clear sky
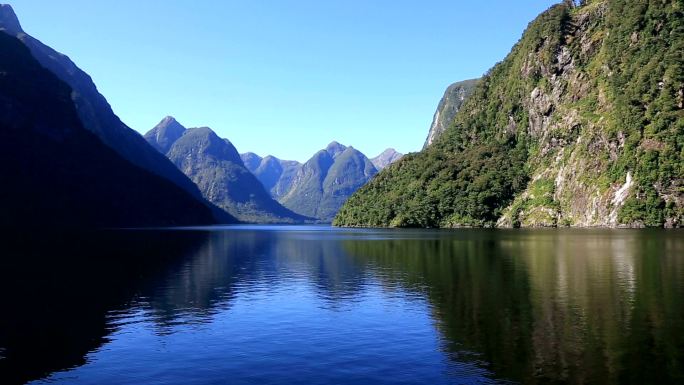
282,77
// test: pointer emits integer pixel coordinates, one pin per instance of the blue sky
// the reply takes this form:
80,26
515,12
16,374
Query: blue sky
282,77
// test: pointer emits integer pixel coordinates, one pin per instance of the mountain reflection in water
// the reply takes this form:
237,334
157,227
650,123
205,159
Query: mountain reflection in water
260,304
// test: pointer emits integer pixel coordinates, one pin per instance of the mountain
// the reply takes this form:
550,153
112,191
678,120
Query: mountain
335,149
319,187
324,182
386,158
57,173
215,166
448,106
94,112
275,174
165,134
251,161
582,124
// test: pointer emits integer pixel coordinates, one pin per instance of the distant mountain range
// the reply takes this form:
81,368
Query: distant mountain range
68,160
319,187
88,168
216,168
268,189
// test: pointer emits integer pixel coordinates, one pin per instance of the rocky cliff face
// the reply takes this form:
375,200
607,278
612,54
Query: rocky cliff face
386,158
216,167
448,106
581,125
586,163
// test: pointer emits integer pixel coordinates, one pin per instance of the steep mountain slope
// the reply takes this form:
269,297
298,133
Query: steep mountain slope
386,158
275,174
216,167
325,182
95,113
56,173
581,125
448,106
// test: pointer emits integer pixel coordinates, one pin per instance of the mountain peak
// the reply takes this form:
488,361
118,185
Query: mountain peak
8,20
203,131
168,120
251,160
203,142
335,148
164,134
386,158
223,176
271,158
389,151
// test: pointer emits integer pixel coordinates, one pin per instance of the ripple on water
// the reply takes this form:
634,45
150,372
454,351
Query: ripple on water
315,305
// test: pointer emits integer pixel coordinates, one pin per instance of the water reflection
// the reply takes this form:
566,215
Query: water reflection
318,305
56,289
553,306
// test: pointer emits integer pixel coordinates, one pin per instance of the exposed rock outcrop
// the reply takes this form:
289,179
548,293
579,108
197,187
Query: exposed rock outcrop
448,106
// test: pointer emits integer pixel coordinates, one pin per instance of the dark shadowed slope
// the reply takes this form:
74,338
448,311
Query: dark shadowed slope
55,172
94,111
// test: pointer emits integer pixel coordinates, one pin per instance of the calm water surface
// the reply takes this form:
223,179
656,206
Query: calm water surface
316,305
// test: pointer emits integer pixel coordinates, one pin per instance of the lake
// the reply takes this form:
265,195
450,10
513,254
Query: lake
319,305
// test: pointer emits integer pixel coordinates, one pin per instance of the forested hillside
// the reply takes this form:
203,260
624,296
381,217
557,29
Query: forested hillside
582,124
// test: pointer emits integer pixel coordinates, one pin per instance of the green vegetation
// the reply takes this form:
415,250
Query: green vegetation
538,207
434,189
588,95
473,170
646,52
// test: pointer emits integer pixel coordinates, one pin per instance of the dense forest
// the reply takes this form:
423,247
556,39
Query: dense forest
582,124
